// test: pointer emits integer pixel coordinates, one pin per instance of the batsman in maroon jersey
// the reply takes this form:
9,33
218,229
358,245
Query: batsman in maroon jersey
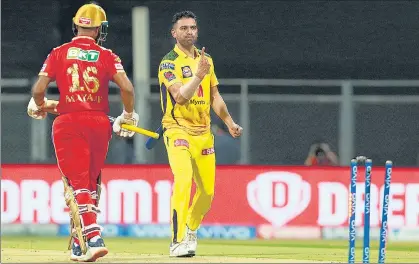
81,132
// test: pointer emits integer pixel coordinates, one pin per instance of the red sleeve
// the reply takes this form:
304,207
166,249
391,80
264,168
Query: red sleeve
114,64
50,65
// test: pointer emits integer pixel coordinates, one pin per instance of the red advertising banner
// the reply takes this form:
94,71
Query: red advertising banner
294,196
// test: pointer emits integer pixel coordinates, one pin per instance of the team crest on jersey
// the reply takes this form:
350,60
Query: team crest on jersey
83,55
186,72
169,76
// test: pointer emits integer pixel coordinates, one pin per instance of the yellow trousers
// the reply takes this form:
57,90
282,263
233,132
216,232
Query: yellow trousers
190,157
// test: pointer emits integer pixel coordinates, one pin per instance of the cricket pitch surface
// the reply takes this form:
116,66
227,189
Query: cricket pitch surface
131,250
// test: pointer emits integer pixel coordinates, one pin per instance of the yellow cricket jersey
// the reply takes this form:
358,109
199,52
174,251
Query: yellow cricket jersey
194,116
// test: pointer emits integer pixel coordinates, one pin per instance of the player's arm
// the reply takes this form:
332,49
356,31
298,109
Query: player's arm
120,78
311,154
39,89
332,158
182,93
46,75
128,116
39,104
127,91
309,161
220,107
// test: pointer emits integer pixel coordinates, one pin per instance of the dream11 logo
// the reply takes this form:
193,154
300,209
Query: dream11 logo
278,196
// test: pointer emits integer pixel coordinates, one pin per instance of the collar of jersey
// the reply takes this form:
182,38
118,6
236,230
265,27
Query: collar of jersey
183,54
83,38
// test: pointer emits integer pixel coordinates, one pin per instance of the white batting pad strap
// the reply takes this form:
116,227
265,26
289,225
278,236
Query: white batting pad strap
88,208
79,191
91,228
93,195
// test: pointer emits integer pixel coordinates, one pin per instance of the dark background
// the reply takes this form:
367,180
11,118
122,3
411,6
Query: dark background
259,39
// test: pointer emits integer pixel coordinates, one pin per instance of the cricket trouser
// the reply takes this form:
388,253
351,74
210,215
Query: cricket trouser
81,142
190,157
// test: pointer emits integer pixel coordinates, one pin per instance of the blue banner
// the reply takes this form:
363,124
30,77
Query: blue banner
227,232
164,231
109,230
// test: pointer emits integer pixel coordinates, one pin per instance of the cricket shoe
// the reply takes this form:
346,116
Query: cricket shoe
181,250
95,249
75,253
192,240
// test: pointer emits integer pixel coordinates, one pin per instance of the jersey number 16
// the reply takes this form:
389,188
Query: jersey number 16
88,80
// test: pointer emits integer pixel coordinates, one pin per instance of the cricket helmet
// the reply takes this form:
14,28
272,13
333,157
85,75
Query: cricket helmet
91,16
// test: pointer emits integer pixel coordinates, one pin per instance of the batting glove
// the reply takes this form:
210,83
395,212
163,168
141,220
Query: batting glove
125,118
35,111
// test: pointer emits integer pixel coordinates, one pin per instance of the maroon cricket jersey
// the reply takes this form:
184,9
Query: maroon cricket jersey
82,70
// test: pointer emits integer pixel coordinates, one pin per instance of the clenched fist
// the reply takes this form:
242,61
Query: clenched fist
235,130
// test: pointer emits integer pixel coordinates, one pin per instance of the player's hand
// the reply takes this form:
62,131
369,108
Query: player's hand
125,118
36,111
235,130
203,65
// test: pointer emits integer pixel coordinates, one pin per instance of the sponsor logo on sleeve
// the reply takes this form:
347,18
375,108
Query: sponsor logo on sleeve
167,66
119,66
169,76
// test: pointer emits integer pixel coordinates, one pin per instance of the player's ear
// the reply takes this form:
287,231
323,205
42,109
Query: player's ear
173,31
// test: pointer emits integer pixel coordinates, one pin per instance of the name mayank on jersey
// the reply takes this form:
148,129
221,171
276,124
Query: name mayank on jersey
83,55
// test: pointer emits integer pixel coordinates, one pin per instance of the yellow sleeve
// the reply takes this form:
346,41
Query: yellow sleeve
168,73
213,80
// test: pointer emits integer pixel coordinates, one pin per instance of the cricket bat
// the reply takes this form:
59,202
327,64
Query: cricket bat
51,107
136,129
151,141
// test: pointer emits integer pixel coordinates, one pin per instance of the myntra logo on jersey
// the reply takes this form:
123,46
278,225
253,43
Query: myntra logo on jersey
197,102
83,55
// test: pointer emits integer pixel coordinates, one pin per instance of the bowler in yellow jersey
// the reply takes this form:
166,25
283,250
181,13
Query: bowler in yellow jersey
189,89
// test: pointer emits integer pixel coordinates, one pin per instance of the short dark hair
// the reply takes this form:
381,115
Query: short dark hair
183,14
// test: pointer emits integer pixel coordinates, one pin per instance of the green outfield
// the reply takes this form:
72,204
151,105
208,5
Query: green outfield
129,250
